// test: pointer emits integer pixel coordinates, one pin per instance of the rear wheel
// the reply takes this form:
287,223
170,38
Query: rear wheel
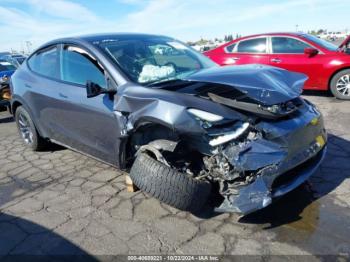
28,131
340,85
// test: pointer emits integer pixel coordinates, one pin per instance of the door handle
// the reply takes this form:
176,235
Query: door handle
235,58
27,86
276,60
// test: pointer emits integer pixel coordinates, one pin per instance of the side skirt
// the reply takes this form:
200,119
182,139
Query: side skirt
83,153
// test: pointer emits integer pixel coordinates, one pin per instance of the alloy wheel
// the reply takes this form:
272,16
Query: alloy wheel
25,129
343,85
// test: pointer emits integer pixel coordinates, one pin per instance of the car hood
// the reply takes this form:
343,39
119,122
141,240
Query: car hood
265,84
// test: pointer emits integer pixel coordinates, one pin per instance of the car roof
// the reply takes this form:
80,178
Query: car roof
277,33
93,38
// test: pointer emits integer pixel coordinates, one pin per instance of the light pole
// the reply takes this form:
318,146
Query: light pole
296,28
29,45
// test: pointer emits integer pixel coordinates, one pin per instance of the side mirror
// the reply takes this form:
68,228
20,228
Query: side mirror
93,89
310,51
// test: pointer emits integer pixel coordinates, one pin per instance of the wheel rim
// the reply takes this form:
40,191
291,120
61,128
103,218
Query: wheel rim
343,85
24,129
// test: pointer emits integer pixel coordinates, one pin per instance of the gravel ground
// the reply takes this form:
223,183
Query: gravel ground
61,202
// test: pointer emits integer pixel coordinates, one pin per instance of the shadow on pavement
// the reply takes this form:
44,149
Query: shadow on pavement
317,93
294,205
17,245
7,119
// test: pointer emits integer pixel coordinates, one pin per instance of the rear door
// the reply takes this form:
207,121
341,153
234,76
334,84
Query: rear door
288,53
41,86
248,51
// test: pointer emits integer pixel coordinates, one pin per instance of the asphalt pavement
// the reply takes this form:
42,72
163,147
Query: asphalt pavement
61,202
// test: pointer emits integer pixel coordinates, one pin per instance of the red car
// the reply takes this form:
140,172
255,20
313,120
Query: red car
326,65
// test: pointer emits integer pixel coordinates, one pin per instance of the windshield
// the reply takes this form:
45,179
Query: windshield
6,66
154,59
321,42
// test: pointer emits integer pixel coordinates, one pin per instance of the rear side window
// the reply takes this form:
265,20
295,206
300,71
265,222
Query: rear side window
46,62
230,48
286,45
78,67
256,45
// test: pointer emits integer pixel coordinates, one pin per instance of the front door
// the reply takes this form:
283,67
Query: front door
86,124
288,53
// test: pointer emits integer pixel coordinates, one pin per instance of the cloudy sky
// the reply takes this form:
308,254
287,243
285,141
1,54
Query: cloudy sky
38,21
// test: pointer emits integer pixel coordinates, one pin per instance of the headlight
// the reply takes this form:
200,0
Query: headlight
203,115
228,136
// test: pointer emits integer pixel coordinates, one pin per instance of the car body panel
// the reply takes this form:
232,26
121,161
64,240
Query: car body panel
319,68
270,85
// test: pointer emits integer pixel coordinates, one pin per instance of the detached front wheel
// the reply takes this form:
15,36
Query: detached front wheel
340,85
168,185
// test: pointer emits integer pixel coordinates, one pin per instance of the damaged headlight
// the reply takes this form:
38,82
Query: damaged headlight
203,115
230,135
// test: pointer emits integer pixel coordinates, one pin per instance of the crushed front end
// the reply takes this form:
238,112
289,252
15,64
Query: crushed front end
265,158
243,128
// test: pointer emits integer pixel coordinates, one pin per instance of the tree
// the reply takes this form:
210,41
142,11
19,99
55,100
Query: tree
321,31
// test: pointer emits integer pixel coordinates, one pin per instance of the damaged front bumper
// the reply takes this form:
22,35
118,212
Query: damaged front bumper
258,194
287,155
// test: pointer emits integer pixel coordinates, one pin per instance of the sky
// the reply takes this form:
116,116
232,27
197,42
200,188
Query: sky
38,21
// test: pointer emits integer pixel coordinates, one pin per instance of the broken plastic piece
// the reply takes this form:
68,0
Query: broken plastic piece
229,135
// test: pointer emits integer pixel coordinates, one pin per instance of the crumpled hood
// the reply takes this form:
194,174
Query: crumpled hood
265,84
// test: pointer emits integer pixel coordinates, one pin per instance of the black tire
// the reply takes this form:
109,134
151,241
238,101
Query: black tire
36,143
333,85
167,185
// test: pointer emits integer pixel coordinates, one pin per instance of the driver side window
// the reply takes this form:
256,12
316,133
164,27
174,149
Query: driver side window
287,45
78,67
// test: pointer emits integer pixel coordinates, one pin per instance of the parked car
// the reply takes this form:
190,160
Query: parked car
333,35
3,54
184,125
6,70
15,59
326,65
5,94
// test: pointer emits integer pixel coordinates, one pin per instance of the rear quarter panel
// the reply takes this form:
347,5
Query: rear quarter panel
22,83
